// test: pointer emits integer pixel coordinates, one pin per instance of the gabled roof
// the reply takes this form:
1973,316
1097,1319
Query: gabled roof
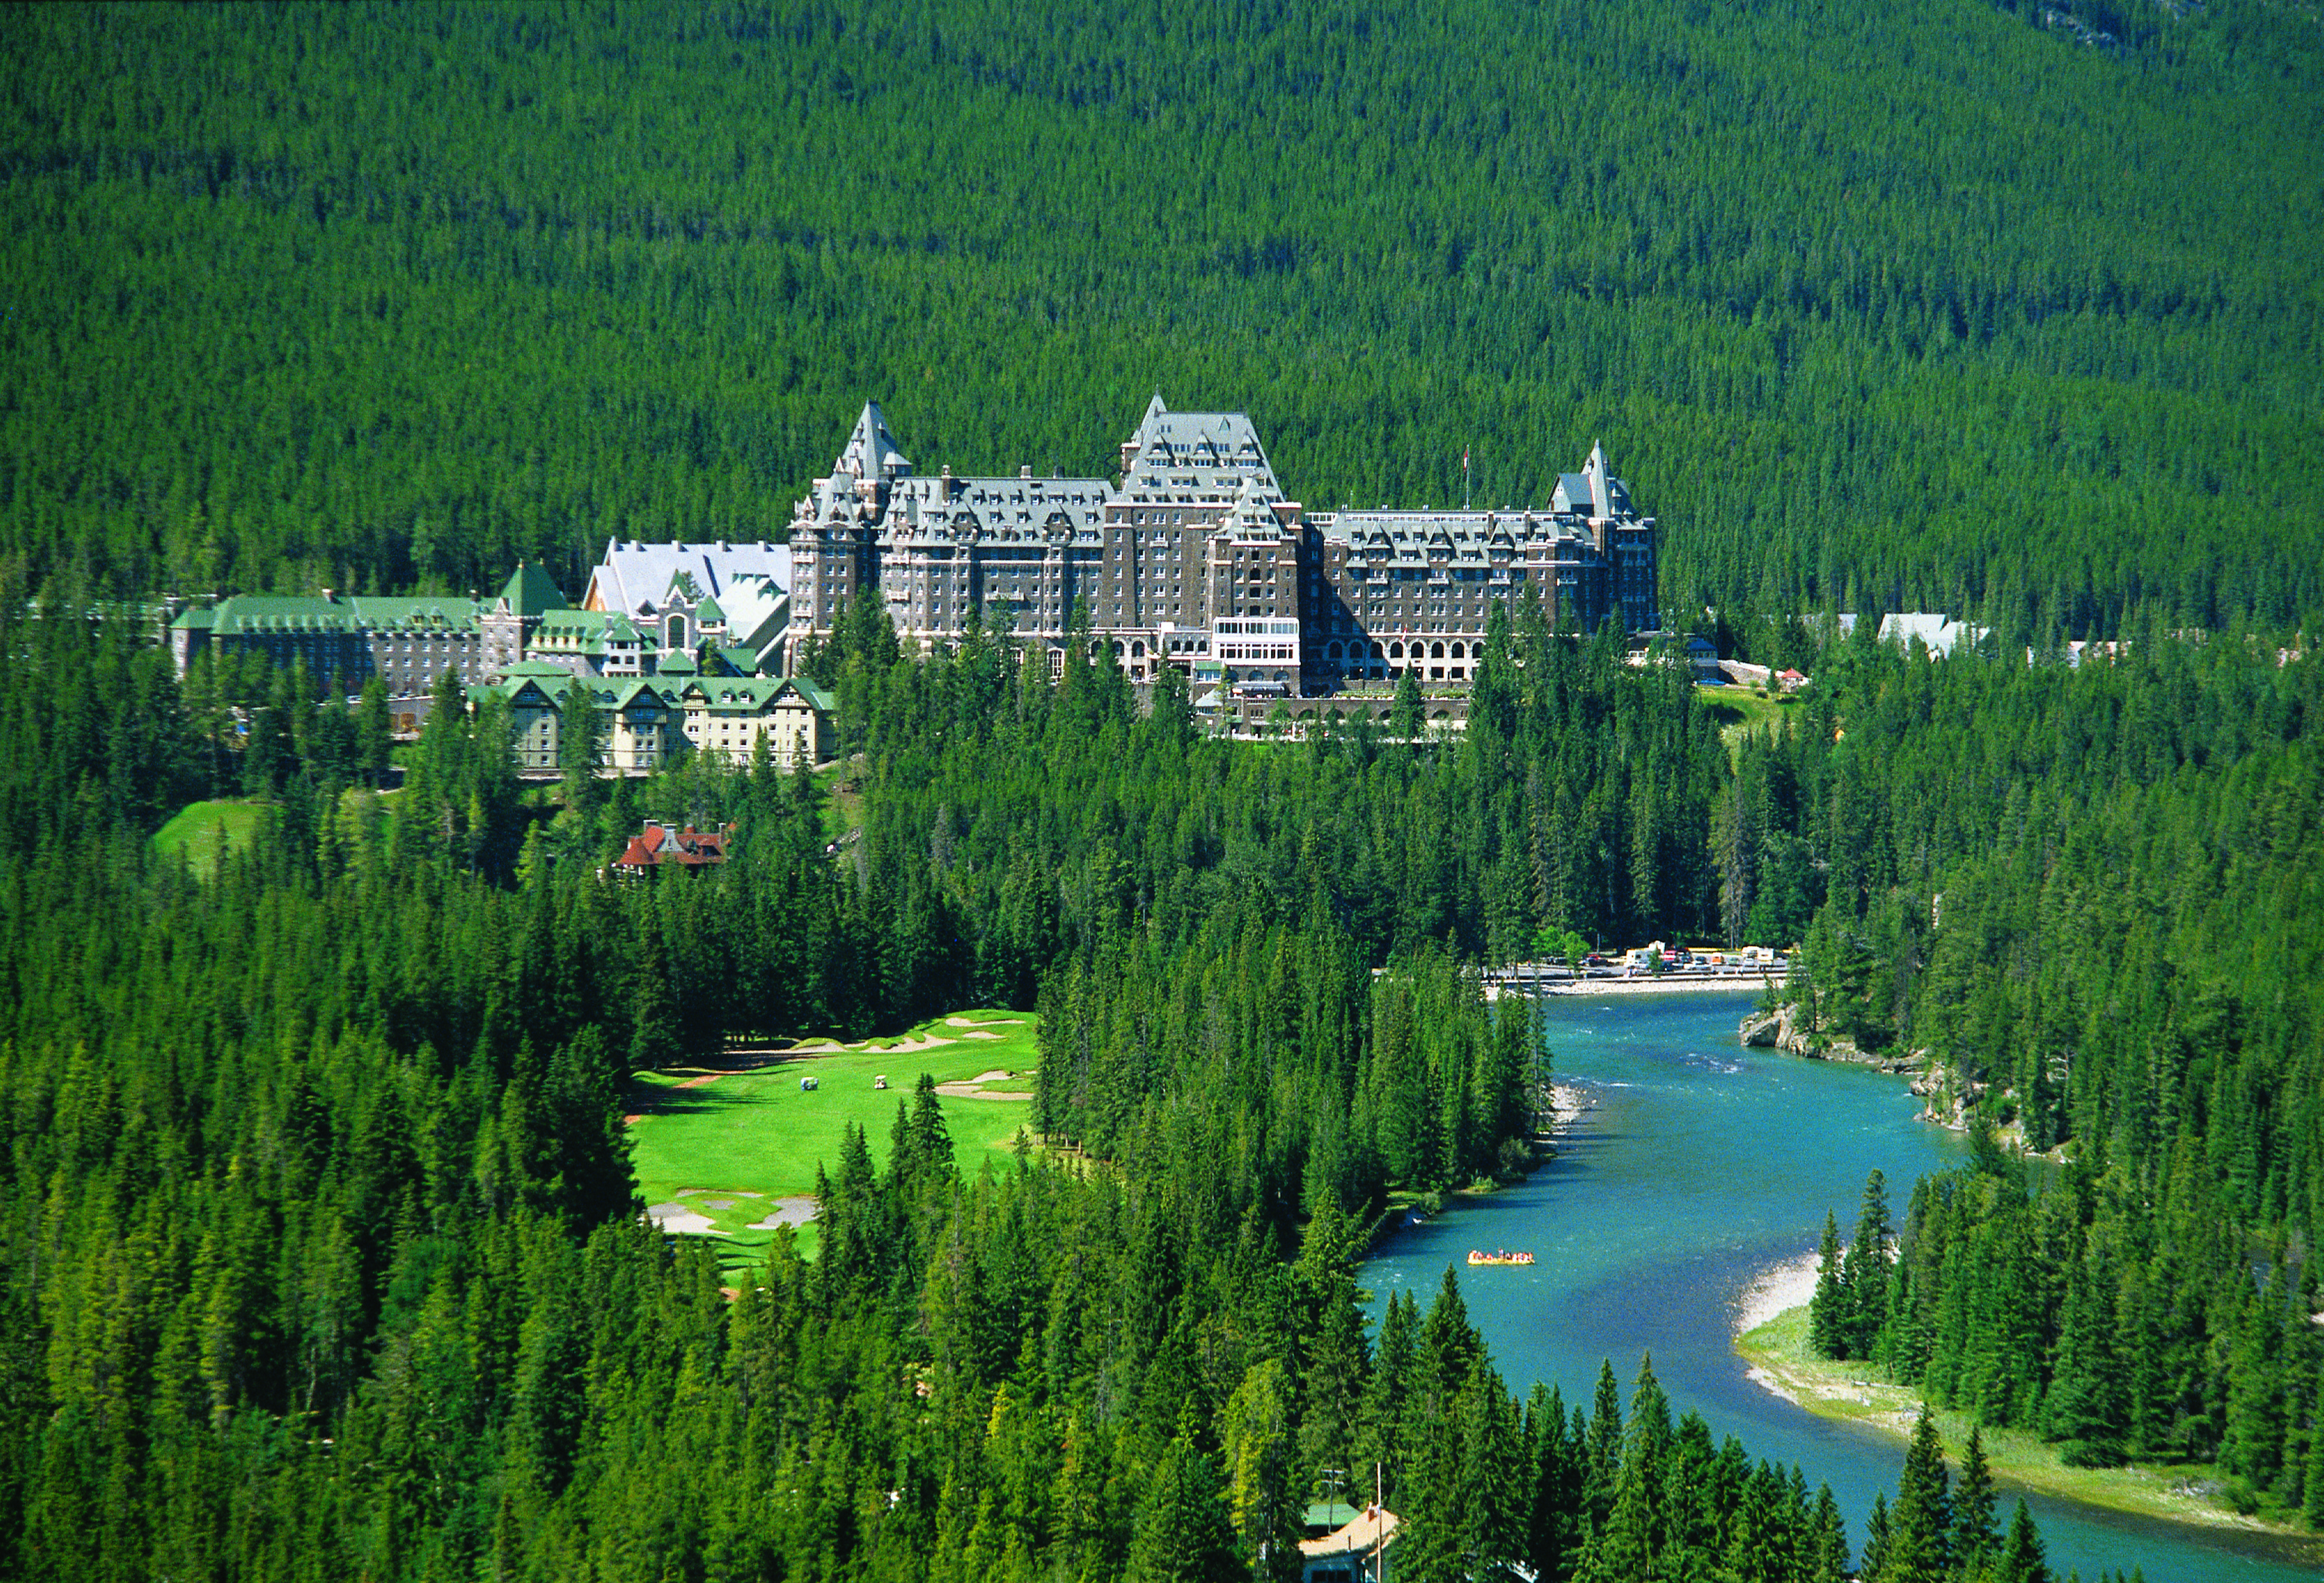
757,613
1941,633
658,844
582,631
1219,450
1374,1526
751,694
548,686
624,697
635,578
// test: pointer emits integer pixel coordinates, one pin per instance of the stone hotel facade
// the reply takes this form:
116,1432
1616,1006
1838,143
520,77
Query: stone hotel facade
1194,555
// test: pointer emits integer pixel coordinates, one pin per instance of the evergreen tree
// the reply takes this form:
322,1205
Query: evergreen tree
1828,1316
2022,1559
1405,716
1975,1538
1867,1270
1181,1531
1918,1548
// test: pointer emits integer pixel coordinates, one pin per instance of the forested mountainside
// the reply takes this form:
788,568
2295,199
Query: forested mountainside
2092,897
322,1254
1895,306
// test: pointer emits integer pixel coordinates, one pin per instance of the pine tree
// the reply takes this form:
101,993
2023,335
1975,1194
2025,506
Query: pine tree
1831,1554
1604,1456
1181,1532
1827,1311
2022,1559
1876,1541
1866,1271
1406,715
1974,1538
1920,1524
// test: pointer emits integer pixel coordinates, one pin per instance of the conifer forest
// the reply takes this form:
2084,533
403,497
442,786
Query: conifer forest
322,1255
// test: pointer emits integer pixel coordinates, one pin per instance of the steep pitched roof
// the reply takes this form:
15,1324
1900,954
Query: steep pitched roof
530,591
1220,451
635,577
871,451
658,844
757,613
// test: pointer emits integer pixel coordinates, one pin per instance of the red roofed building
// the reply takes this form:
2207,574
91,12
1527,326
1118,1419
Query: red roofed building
660,845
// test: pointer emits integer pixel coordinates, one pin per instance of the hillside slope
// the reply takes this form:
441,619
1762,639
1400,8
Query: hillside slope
1901,304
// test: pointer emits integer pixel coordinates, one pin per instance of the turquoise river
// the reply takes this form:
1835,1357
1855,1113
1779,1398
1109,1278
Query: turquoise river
1702,1165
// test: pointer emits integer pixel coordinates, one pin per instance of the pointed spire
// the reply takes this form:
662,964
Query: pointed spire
1601,503
871,451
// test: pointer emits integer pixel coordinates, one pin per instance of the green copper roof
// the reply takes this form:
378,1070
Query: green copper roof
530,591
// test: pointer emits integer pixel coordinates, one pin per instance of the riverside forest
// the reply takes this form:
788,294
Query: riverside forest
321,1251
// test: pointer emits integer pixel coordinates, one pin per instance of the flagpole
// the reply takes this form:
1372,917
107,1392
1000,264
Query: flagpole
1464,478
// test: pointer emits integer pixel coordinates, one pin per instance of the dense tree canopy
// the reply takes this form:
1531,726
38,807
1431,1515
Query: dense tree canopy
1904,306
2091,896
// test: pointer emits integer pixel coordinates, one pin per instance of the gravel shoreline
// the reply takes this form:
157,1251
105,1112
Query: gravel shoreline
1775,1289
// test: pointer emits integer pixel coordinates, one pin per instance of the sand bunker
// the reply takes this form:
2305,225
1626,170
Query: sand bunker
969,1022
678,1220
864,1047
787,1212
981,1033
971,1087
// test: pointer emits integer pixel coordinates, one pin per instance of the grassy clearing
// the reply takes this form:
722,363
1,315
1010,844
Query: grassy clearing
202,833
1740,711
1861,1392
729,1147
842,806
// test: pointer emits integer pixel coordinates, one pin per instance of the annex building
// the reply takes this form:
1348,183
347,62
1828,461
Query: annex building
1194,555
663,611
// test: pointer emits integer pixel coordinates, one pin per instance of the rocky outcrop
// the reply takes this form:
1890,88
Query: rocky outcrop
1947,1103
1782,1029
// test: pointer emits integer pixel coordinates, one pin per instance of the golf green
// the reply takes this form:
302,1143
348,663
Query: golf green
729,1150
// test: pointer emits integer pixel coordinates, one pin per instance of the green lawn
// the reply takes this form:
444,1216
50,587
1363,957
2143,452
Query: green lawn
203,833
1738,709
728,1149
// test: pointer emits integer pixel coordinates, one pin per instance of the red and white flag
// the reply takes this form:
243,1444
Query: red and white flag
1464,458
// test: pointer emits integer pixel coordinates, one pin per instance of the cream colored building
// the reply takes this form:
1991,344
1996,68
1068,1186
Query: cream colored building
726,716
642,727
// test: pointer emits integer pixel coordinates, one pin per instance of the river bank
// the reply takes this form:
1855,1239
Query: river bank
1657,984
1408,1210
1774,1341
